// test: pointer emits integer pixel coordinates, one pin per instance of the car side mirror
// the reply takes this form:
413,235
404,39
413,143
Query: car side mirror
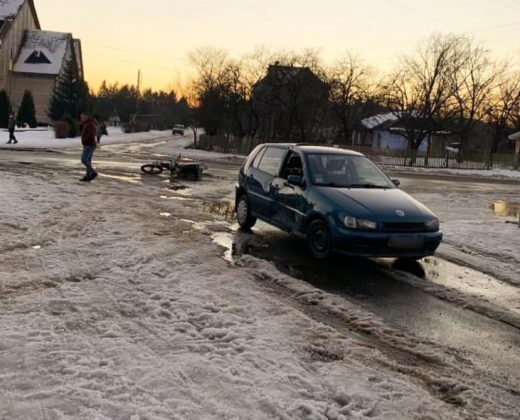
294,180
396,182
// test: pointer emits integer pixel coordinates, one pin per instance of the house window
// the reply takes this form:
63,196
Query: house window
37,57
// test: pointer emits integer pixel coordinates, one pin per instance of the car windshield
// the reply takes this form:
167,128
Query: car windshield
346,171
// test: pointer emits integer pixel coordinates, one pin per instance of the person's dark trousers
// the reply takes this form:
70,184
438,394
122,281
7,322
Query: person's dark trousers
12,138
86,159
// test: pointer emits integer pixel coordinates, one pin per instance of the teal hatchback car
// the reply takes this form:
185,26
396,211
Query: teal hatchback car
336,200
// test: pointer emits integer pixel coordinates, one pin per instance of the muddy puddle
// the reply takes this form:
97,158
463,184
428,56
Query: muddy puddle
175,198
225,240
355,276
506,209
177,187
225,209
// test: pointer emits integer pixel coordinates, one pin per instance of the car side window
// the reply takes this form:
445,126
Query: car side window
293,166
258,157
271,160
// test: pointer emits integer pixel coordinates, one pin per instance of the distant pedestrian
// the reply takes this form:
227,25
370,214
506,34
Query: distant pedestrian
101,131
88,139
11,127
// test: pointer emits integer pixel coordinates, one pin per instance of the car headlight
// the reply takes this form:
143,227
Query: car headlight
361,224
433,225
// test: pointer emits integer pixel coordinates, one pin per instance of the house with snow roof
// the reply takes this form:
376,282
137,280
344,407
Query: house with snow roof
30,58
387,131
382,131
515,137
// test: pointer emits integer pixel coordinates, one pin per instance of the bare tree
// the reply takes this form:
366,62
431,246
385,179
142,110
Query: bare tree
350,91
504,108
211,87
419,92
291,100
473,86
254,67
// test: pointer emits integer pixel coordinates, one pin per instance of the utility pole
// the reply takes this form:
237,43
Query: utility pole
139,80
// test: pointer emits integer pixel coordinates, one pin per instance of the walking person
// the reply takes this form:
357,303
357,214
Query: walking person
88,139
11,126
101,130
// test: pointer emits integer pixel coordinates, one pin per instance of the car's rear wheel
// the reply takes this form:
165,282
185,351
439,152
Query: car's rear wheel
243,210
319,239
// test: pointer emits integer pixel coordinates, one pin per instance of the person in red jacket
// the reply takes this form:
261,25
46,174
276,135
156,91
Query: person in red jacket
88,139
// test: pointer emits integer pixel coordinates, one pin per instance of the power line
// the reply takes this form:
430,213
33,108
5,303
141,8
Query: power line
413,10
513,5
498,27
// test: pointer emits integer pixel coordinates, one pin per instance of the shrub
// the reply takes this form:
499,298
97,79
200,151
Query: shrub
61,129
4,109
73,127
136,127
27,112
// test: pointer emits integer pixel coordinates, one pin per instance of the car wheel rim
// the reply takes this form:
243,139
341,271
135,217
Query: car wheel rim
242,211
320,240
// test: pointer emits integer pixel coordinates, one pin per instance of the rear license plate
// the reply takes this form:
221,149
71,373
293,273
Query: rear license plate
409,242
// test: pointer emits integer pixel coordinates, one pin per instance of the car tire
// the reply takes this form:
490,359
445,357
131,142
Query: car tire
319,239
243,211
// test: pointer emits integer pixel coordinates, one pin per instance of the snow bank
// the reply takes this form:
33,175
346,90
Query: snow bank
493,173
44,139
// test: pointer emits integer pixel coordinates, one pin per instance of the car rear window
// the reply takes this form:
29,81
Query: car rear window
271,160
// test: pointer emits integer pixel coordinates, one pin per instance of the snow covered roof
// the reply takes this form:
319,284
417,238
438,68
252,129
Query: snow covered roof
379,119
42,52
9,8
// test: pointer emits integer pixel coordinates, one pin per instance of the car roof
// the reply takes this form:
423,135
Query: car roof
310,148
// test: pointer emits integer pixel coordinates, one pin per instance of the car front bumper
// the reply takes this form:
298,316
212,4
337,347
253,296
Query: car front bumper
385,244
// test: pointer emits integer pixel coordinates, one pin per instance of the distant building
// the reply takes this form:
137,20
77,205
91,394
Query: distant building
516,139
153,121
114,120
290,102
32,59
387,131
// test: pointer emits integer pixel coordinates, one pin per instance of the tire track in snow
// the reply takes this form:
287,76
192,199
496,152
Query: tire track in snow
432,366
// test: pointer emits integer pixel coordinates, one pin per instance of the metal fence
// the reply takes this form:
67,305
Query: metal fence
453,160
387,157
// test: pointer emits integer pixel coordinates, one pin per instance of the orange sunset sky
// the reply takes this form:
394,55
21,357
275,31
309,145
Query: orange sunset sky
121,36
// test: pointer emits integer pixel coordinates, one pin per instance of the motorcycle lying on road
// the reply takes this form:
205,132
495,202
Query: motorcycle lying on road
184,168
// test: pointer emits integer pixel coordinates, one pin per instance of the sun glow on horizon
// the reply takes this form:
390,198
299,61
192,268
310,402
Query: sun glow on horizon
121,37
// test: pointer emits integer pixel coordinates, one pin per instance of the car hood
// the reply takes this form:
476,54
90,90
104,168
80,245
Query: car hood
379,204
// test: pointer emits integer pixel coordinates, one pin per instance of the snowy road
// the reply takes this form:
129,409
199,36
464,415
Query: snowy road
127,299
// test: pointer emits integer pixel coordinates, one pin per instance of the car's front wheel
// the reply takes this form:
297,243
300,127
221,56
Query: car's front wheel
243,210
319,239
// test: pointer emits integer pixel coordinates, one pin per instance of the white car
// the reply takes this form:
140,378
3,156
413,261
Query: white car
178,129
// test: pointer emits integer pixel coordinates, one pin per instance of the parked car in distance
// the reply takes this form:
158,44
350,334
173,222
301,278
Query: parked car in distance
336,200
178,129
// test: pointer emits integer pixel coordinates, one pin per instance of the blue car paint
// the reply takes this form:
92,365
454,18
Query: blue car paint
291,208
